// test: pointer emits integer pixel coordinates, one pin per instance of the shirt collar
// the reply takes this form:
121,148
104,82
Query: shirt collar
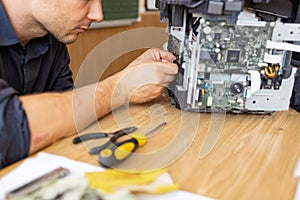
7,34
37,47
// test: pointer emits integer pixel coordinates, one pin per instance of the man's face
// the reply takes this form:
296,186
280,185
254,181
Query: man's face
65,19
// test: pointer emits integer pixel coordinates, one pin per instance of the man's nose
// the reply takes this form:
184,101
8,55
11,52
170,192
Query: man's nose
95,14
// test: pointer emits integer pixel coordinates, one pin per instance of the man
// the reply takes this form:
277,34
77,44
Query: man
34,71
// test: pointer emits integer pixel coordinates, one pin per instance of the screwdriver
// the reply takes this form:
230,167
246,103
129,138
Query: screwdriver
119,151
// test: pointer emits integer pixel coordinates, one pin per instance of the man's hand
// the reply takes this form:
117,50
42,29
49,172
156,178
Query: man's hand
145,78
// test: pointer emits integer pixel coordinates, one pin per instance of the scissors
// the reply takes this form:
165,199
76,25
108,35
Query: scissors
113,138
113,151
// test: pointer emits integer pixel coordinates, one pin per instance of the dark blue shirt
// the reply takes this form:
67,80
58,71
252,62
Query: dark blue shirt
39,66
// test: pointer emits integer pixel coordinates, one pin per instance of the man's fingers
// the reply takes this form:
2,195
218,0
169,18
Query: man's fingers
162,55
168,68
167,79
166,56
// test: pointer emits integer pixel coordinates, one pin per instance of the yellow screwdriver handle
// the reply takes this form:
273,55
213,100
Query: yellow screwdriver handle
116,153
140,137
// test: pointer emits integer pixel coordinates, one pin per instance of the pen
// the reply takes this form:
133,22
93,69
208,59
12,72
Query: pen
35,184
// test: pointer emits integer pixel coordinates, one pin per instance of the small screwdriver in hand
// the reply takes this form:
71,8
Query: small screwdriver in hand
119,151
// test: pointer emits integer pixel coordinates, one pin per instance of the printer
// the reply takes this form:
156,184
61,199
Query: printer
233,55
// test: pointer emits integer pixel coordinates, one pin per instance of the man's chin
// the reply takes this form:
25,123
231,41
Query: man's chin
68,39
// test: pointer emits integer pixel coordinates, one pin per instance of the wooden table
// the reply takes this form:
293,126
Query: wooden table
254,157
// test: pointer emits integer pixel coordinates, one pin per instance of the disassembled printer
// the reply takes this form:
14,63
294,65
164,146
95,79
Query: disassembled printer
232,57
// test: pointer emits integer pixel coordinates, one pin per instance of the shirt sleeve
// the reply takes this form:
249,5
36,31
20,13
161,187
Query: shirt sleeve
14,129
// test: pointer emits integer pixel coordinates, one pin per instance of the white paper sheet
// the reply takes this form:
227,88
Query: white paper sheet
32,168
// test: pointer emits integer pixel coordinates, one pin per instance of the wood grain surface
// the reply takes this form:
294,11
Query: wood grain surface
254,157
